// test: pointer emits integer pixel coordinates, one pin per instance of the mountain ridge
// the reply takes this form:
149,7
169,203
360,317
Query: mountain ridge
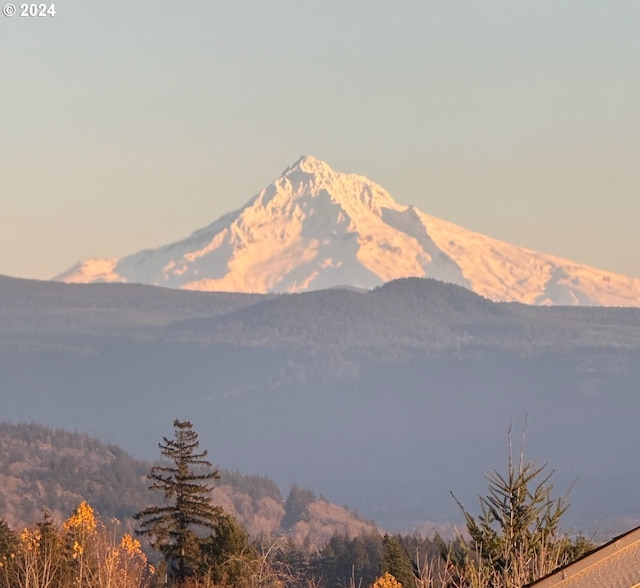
324,387
315,228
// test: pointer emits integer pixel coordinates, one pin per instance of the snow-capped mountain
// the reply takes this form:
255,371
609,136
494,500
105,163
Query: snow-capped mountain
316,228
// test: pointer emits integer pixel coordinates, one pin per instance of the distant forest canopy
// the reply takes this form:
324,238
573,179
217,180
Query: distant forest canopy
45,469
297,542
439,366
52,476
86,549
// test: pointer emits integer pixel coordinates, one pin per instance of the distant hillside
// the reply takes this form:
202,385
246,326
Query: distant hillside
383,400
32,305
43,468
55,469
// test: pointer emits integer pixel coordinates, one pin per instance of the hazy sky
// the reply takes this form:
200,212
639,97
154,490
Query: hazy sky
127,125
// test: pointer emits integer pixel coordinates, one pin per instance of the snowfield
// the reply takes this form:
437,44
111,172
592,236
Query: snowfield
315,228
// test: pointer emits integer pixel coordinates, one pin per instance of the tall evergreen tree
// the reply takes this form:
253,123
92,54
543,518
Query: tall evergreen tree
397,562
295,505
517,538
173,526
228,557
8,540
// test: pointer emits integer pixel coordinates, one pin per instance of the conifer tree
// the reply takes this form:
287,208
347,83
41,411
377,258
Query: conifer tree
8,540
517,538
228,557
183,479
396,562
295,505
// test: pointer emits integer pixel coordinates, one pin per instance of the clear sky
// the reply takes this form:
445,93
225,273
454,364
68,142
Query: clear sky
127,125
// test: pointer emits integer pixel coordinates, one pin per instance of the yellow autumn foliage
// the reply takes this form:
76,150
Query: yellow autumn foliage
387,580
82,552
30,539
100,559
83,518
130,546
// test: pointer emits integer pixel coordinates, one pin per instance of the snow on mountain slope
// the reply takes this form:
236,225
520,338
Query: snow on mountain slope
316,228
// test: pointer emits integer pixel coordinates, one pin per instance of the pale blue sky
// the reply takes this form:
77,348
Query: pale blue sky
126,125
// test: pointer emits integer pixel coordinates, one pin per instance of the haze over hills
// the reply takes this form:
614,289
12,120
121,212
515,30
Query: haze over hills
384,400
314,228
42,469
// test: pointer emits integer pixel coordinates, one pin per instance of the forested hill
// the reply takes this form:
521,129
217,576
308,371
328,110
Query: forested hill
54,470
324,388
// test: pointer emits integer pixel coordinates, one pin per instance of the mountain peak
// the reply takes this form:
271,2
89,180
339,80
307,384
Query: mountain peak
315,228
311,165
311,168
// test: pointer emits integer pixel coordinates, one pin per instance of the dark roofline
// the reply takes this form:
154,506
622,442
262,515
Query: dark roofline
589,559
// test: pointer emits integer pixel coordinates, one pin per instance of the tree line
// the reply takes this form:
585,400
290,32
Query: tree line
182,539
